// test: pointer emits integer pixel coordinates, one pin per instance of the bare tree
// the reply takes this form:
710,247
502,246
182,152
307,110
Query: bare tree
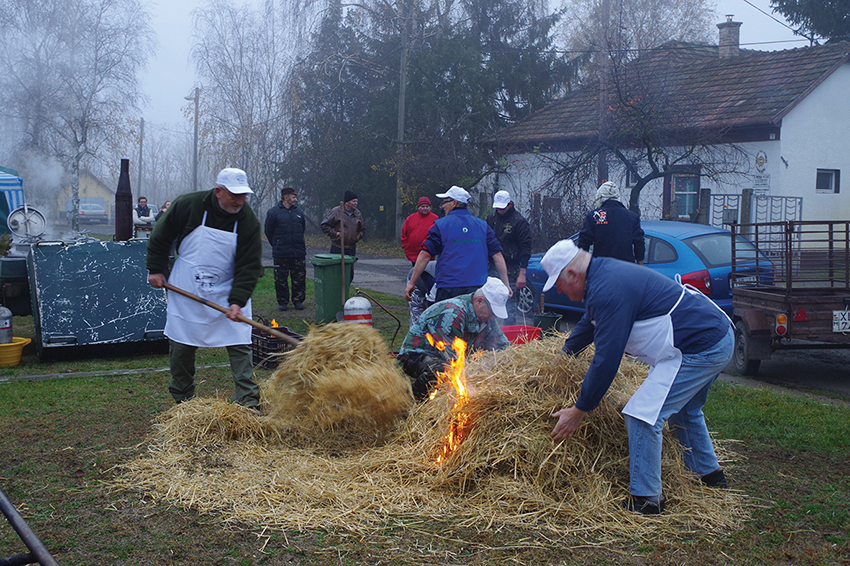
241,56
75,76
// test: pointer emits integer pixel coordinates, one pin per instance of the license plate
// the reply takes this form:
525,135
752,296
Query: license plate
841,321
747,279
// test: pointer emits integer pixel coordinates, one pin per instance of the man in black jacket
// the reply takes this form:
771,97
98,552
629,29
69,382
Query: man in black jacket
285,231
612,229
514,234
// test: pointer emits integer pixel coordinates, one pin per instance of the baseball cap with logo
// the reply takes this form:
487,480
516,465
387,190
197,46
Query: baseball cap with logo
556,259
497,295
456,193
234,180
501,199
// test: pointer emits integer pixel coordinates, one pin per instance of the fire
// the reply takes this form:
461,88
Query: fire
274,323
454,375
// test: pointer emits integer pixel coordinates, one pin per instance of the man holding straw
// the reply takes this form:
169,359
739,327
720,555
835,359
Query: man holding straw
684,338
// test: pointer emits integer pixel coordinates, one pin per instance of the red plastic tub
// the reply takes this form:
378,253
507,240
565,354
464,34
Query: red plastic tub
520,334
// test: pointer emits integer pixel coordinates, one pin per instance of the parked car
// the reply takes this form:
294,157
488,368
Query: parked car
700,254
90,214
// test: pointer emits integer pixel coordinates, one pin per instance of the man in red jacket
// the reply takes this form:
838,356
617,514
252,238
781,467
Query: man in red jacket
415,229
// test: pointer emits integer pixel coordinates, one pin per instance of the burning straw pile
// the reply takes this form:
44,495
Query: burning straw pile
505,472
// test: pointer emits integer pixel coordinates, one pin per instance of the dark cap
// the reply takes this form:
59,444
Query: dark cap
349,195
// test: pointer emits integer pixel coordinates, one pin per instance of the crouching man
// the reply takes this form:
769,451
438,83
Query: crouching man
471,317
684,338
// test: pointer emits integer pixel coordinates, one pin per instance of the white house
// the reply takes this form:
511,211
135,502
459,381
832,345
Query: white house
780,119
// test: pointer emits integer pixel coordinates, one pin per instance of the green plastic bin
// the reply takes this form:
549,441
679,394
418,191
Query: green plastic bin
327,276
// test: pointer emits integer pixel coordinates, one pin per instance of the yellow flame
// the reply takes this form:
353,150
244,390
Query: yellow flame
274,323
455,376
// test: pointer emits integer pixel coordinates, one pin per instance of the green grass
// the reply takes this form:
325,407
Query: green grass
792,422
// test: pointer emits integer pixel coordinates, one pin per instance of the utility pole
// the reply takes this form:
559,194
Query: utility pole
141,148
195,146
604,65
402,93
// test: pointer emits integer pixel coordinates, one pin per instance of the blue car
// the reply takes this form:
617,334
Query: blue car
700,254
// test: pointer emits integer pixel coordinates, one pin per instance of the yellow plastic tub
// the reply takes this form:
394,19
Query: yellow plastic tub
10,354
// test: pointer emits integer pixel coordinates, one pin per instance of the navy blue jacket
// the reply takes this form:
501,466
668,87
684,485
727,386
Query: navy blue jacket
463,244
616,295
614,231
284,229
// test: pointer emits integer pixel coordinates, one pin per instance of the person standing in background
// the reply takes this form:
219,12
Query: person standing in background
345,224
612,229
514,235
415,229
284,229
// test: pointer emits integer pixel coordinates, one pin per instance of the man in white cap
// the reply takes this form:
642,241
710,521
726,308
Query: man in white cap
514,235
612,229
684,338
470,317
219,258
462,245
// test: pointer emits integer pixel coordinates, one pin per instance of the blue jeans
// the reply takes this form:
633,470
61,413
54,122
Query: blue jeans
683,409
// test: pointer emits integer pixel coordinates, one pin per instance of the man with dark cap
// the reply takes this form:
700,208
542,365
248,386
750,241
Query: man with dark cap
284,229
415,229
345,223
612,229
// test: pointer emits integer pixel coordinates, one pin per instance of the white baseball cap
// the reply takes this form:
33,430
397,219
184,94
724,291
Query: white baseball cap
497,295
456,193
234,180
556,259
501,199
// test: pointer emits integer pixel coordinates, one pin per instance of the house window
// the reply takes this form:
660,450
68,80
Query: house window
827,181
685,195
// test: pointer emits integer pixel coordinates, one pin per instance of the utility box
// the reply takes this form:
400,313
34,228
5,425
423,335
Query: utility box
92,299
327,277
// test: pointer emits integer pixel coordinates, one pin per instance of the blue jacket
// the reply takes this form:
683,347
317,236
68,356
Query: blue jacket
616,295
284,229
614,231
463,244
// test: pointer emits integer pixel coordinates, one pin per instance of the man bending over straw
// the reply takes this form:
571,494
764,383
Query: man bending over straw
684,337
471,317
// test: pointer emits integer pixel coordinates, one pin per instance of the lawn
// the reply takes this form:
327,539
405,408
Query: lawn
60,440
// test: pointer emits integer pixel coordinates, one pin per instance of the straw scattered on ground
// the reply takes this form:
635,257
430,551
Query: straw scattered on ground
217,458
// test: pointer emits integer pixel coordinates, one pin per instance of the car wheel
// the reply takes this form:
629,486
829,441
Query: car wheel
741,361
527,300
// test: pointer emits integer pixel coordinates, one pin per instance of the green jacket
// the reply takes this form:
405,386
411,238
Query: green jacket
186,214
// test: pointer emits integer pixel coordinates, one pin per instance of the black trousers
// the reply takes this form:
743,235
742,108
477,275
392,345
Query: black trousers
422,371
293,269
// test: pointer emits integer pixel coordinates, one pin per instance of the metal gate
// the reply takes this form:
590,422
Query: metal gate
762,208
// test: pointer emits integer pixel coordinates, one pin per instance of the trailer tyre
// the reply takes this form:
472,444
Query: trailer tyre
741,361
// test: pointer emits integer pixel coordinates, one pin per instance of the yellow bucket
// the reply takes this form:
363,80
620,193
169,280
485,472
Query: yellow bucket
10,354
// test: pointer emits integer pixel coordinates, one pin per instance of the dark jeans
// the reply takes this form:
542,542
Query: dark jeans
294,269
450,292
422,370
348,251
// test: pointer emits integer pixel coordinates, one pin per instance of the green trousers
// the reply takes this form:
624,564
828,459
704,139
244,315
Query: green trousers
182,359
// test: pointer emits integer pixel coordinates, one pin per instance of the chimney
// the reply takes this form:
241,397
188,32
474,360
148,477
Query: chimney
730,36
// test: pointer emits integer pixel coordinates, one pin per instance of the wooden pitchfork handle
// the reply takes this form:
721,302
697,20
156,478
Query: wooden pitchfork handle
241,318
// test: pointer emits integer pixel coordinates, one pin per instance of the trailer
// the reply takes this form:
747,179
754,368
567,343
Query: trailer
794,294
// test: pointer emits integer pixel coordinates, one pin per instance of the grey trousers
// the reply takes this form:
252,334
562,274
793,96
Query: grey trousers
182,360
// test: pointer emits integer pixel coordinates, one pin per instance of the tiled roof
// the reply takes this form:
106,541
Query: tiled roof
690,86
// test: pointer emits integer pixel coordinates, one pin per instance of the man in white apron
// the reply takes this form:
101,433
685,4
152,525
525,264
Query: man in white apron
219,258
684,338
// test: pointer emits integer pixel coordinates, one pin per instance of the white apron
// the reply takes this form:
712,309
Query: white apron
651,341
204,266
